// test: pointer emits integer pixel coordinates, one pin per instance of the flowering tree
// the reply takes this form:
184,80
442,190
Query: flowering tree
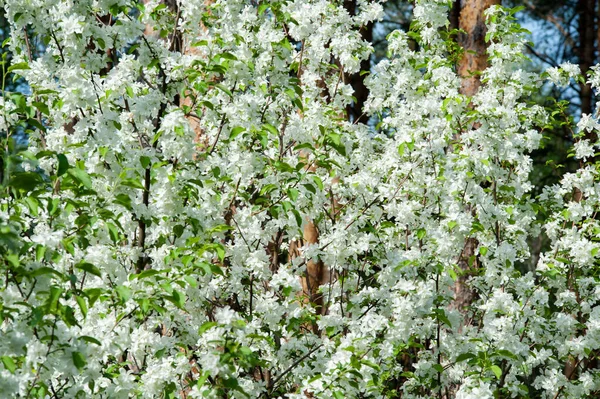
189,163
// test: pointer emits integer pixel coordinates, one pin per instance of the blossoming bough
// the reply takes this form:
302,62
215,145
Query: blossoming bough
80,310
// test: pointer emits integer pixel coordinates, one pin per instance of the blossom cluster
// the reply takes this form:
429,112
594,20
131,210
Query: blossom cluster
181,150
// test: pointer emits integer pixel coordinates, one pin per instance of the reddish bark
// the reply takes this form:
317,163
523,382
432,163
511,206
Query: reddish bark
471,20
469,15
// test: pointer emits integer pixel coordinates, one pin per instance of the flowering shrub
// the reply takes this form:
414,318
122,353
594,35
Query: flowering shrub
153,231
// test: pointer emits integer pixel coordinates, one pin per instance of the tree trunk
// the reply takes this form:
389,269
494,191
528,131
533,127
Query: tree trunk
454,14
357,81
585,49
586,10
471,20
469,15
316,272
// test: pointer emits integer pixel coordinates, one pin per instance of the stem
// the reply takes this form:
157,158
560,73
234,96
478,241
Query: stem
141,242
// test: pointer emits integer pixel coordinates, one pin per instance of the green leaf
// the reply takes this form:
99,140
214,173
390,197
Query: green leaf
113,232
220,252
335,138
371,364
215,269
147,273
523,388
63,164
440,315
205,267
145,161
224,89
37,315
9,363
191,281
93,294
483,251
293,194
336,142
68,316
220,228
26,181
298,217
82,305
13,259
169,391
133,183
88,267
33,205
318,182
43,108
304,146
464,356
236,131
123,199
55,293
497,371
228,56
452,274
91,340
178,299
268,188
262,8
78,360
310,188
270,128
40,251
124,293
81,177
45,270
206,326
18,66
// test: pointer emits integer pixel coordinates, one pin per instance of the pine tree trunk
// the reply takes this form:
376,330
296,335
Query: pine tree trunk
469,15
586,48
587,30
471,20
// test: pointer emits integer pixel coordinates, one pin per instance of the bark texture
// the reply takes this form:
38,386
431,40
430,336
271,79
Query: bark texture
316,272
471,20
469,15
